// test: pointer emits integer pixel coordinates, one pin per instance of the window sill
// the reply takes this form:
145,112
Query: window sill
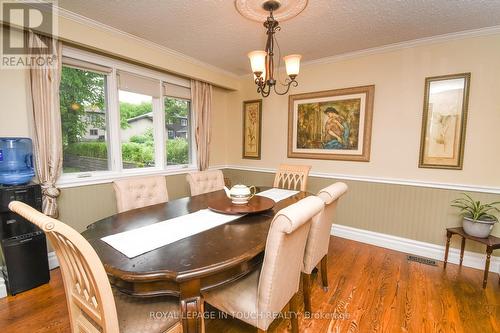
70,180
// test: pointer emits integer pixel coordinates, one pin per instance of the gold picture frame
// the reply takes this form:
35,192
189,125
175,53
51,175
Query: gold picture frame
331,125
252,129
444,121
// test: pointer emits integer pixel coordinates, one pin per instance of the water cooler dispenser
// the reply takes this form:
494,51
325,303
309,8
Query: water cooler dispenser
23,250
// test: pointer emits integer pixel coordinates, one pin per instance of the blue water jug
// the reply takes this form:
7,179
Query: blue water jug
16,161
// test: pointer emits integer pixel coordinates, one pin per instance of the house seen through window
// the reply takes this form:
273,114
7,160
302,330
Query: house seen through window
177,114
136,135
84,120
146,127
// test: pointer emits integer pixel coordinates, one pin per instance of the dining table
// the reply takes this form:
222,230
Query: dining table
189,266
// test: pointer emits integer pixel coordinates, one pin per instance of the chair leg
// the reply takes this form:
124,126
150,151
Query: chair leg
324,272
306,281
294,310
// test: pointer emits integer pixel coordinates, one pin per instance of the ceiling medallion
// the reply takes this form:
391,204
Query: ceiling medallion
282,9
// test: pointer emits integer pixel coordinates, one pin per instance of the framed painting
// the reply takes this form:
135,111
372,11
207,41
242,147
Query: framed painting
444,121
252,127
331,125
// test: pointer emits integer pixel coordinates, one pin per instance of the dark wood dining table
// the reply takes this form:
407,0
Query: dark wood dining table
188,266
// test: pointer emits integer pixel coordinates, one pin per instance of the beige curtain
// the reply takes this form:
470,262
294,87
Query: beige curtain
201,102
46,118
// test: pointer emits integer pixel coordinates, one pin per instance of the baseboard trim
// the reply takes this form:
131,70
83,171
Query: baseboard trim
406,245
53,263
3,288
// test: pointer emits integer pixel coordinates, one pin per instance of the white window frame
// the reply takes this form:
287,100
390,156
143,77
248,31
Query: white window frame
116,170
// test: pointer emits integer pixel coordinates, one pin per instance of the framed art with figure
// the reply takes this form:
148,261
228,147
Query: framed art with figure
444,121
333,124
252,127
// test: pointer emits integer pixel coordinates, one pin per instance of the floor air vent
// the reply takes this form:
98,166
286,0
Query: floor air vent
422,260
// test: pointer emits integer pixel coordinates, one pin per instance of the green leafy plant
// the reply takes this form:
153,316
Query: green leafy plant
476,210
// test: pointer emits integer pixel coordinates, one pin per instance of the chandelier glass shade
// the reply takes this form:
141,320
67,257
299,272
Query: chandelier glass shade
262,62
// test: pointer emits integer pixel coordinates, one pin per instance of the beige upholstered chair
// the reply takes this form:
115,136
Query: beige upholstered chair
318,240
292,177
132,193
205,181
262,294
92,305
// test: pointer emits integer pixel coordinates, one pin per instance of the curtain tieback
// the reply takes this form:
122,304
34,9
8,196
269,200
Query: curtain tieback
49,190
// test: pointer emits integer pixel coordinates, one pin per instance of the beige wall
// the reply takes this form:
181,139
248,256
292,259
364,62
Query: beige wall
398,77
13,103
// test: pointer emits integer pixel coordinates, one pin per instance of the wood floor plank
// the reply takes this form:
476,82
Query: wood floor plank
371,290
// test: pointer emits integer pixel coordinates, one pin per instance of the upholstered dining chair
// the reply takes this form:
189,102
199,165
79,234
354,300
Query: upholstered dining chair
93,305
138,192
205,181
292,177
261,295
318,240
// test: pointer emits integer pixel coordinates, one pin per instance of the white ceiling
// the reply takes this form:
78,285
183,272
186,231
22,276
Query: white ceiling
214,32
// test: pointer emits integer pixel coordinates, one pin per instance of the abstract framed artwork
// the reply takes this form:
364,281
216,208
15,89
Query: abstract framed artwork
444,121
252,128
331,125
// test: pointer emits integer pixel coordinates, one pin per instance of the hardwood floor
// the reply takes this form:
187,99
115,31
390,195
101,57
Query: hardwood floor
371,290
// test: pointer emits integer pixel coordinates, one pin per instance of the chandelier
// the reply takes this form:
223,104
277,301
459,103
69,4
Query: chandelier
262,62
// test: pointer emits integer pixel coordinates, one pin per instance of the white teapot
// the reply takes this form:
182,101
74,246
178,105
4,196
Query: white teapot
240,194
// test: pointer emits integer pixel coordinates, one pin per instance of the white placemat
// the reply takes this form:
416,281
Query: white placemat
277,194
141,240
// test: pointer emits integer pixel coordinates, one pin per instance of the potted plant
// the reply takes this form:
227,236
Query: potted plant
478,218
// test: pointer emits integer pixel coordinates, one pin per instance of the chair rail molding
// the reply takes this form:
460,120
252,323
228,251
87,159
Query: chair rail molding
381,180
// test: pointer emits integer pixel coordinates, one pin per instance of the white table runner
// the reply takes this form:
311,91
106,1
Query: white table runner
277,194
141,240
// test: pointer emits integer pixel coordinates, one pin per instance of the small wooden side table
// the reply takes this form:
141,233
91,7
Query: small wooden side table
492,243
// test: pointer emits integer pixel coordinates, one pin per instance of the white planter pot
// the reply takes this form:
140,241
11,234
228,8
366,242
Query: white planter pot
480,229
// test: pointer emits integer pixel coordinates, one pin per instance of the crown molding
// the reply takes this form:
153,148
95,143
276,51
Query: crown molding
325,60
401,46
407,44
64,13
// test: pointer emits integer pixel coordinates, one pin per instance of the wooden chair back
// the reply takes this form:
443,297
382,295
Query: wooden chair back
89,296
292,177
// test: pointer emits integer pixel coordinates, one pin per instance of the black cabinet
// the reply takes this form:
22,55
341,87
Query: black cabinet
23,245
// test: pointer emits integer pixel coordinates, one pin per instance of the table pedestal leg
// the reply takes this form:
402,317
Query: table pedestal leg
191,307
462,251
448,238
487,266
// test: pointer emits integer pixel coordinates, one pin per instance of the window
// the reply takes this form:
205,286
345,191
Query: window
137,132
119,118
177,112
83,116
